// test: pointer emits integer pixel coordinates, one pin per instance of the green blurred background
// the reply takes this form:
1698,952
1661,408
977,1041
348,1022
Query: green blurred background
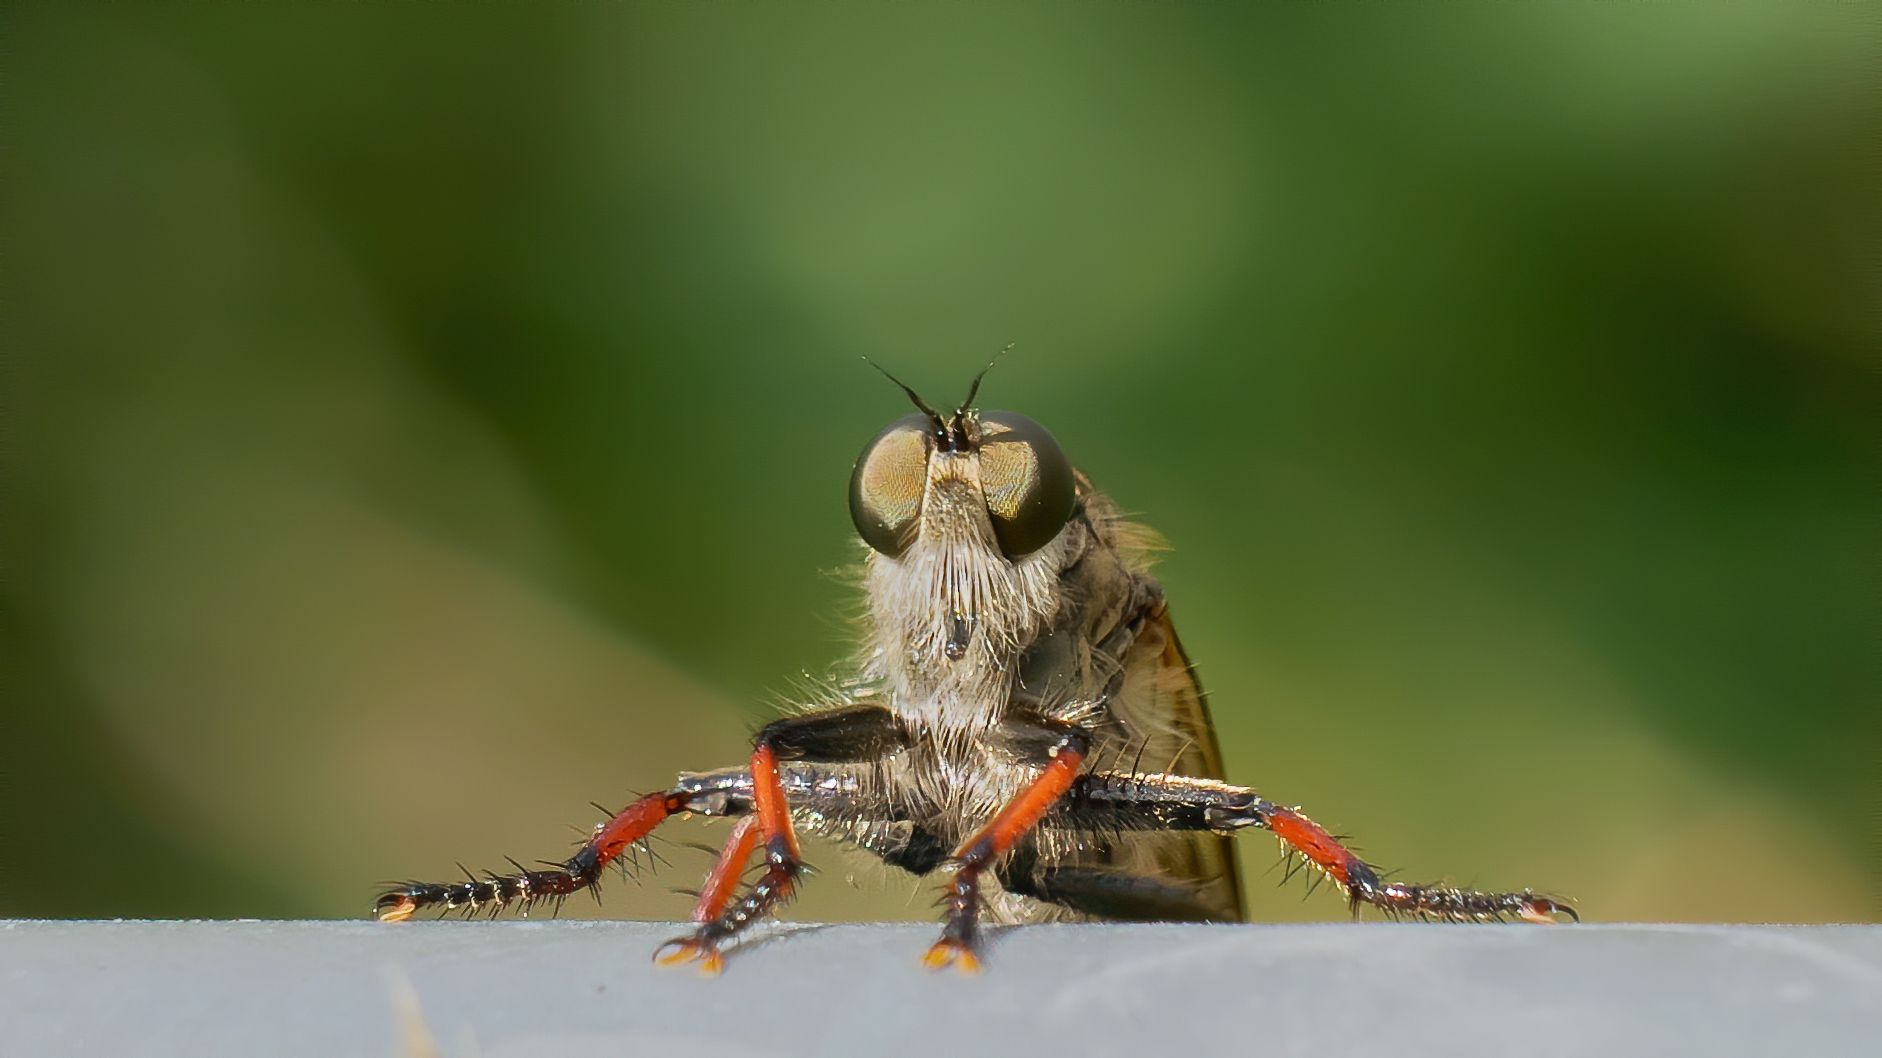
426,418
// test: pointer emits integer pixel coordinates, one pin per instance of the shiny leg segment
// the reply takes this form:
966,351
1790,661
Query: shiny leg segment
525,888
728,792
1116,802
856,734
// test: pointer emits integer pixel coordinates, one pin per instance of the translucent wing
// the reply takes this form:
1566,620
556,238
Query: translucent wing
1161,697
1113,647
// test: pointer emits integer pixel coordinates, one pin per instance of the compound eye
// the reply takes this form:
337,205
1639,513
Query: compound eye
1028,481
887,484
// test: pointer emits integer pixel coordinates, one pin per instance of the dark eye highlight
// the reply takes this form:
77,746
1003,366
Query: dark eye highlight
1028,481
887,484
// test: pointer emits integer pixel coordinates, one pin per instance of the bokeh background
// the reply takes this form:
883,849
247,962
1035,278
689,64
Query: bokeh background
427,418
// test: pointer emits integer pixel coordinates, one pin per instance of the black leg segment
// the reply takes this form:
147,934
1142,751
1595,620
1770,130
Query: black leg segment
1110,803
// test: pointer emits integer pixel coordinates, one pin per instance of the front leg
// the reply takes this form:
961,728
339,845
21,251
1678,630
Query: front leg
1111,802
860,733
722,793
727,792
1063,749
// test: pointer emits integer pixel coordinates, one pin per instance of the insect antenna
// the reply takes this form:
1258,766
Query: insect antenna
973,388
940,424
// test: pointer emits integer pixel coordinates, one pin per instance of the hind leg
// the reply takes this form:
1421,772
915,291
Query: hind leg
1106,893
1111,803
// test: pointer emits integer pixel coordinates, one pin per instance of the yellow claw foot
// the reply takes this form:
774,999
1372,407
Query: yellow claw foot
395,907
685,949
952,953
1543,911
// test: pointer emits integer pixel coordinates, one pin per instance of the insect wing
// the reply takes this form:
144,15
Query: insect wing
1162,691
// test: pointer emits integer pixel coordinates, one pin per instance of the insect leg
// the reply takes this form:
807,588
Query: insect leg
853,734
917,852
920,853
1105,892
960,935
1112,802
727,792
721,880
716,796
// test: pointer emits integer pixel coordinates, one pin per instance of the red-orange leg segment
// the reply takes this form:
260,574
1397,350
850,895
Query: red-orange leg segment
721,883
1112,802
1362,884
526,887
722,880
960,936
783,865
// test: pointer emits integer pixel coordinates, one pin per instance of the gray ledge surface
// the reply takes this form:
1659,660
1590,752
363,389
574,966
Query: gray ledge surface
496,989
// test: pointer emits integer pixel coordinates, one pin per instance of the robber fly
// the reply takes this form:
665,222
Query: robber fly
1018,667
